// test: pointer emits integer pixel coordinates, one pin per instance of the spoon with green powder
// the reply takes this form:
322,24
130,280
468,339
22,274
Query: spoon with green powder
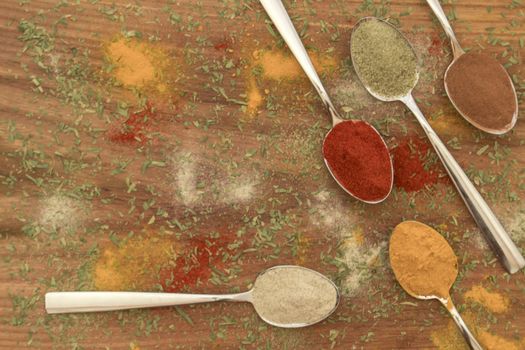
354,152
387,66
478,86
285,296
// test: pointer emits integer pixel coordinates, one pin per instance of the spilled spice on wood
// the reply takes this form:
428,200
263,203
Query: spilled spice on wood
412,169
134,128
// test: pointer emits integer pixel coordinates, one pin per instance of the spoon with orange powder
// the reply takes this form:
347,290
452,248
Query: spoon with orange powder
426,267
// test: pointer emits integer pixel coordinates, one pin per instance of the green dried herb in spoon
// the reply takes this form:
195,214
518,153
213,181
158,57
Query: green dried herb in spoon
393,70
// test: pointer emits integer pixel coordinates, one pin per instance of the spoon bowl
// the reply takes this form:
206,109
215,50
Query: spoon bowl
72,302
367,190
368,87
426,270
495,234
258,304
507,111
507,115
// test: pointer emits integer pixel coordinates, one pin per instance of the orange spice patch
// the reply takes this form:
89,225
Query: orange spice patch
492,301
255,98
138,65
450,125
493,342
277,66
133,265
303,247
448,338
358,236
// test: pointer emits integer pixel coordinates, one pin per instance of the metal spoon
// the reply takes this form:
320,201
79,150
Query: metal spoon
459,54
488,223
69,302
284,25
444,299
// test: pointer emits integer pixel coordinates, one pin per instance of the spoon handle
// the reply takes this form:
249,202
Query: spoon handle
277,13
66,302
467,334
442,17
488,223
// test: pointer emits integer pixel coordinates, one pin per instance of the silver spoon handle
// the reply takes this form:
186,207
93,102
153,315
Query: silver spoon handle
467,334
66,302
488,223
442,17
277,13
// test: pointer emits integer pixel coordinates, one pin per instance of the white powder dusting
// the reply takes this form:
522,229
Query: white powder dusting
329,212
186,180
336,218
60,212
198,181
351,95
359,261
515,225
238,192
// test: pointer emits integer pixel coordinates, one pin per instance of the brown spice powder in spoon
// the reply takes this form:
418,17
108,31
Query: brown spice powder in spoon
482,91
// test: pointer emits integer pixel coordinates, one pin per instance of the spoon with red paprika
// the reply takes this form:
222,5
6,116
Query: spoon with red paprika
478,86
371,46
354,152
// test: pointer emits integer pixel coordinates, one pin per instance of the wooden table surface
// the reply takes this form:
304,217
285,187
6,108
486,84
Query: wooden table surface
199,164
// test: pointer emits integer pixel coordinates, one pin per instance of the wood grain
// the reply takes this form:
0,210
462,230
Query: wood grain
52,148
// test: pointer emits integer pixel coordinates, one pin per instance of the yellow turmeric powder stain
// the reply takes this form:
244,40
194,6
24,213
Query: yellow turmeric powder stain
450,124
254,96
137,64
449,337
493,342
303,247
492,301
358,236
277,65
133,265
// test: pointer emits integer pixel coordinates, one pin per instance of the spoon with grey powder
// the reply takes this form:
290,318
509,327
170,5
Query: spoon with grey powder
387,66
285,296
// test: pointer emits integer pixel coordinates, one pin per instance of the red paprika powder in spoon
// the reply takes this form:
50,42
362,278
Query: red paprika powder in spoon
359,160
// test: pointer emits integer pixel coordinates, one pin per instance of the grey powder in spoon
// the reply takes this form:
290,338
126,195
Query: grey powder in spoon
293,295
383,59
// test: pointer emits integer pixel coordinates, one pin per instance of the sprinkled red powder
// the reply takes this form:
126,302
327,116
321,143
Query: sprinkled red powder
410,171
359,160
193,265
134,127
221,46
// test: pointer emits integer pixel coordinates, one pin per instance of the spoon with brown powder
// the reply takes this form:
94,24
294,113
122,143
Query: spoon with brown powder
426,267
386,63
285,296
478,86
